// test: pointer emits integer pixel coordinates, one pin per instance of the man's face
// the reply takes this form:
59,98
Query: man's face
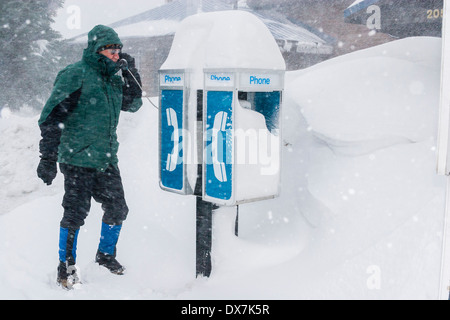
112,54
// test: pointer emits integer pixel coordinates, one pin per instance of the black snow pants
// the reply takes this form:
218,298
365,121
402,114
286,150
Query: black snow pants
82,184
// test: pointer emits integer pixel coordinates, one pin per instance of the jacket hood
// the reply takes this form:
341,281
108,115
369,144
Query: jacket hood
101,36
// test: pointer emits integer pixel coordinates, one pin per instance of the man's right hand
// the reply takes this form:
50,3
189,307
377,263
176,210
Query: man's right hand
131,63
47,171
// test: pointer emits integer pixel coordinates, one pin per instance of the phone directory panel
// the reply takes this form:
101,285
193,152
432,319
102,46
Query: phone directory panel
218,157
171,140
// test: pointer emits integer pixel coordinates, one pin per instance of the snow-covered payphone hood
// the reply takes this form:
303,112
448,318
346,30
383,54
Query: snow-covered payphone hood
223,40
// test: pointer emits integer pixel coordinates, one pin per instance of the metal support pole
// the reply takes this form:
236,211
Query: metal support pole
204,238
203,209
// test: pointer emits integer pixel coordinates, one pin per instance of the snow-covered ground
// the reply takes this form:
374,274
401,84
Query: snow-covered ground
360,215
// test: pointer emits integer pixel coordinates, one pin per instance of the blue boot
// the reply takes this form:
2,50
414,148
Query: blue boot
106,253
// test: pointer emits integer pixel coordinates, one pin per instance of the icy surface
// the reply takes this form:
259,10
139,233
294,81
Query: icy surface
360,213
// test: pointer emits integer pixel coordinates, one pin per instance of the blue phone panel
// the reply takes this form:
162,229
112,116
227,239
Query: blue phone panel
219,145
171,162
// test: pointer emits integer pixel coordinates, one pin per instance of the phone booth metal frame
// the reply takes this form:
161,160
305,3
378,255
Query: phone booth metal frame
173,136
220,100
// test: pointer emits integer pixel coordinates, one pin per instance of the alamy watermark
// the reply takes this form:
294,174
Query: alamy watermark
374,20
255,147
73,21
374,279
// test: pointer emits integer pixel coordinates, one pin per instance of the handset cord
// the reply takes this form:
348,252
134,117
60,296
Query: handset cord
124,66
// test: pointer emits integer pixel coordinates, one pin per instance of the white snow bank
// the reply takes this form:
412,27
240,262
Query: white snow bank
19,157
360,213
388,92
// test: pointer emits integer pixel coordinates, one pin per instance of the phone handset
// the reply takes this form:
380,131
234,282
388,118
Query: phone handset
172,158
219,125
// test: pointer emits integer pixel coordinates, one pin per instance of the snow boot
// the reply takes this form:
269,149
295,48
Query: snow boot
67,276
67,272
109,262
106,253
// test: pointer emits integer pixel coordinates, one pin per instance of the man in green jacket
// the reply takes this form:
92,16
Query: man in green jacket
78,127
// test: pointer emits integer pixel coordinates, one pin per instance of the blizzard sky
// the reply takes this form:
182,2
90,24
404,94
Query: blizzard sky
80,16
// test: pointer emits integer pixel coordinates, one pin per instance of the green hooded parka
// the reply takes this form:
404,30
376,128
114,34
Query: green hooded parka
88,133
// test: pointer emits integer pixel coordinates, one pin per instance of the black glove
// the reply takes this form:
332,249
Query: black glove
47,171
131,63
131,89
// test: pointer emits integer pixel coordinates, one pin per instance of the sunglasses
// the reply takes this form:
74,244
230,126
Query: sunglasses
114,51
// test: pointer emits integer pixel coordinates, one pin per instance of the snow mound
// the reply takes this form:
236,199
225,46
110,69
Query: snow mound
19,157
385,93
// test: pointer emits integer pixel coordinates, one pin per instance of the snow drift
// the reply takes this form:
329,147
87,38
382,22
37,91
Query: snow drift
360,214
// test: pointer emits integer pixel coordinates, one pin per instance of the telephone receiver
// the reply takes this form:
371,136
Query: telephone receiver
219,125
172,158
123,64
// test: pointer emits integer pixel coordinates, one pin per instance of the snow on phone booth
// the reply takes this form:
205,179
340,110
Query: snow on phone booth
226,67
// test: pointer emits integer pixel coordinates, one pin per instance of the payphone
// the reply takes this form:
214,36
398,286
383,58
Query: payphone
221,95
